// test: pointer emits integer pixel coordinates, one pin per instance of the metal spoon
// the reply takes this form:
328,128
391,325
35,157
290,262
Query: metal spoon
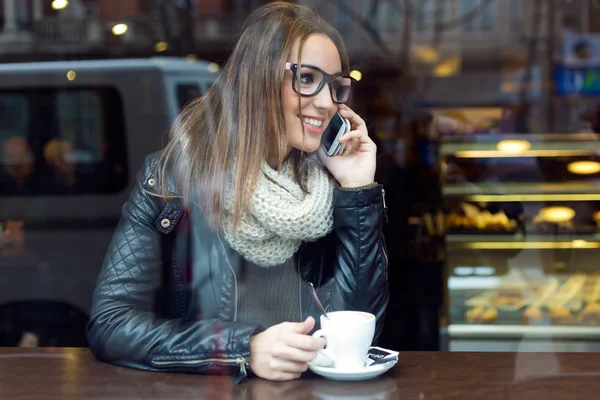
314,292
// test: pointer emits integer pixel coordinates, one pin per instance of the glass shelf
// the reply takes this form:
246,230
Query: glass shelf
524,192
520,241
498,280
547,145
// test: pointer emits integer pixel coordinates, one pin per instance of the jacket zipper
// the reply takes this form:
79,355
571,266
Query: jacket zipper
386,220
385,208
235,287
239,361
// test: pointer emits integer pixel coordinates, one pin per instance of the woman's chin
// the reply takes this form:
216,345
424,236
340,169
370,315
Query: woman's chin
309,147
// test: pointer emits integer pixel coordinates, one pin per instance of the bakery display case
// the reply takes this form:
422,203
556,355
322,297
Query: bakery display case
522,233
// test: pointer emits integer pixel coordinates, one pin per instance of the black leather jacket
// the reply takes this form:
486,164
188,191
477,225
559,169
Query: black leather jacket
145,315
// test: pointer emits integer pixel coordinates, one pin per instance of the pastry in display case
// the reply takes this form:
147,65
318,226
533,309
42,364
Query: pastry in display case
480,219
522,240
575,301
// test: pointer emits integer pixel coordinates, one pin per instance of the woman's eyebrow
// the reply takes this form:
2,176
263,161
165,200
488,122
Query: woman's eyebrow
322,69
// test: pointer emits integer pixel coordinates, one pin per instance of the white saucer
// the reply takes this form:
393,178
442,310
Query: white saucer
352,375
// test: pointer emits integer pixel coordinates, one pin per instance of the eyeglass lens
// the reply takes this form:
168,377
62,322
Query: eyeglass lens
310,81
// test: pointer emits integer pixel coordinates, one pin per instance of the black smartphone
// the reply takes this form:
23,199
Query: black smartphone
337,127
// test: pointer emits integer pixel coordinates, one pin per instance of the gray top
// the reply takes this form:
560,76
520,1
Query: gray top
269,296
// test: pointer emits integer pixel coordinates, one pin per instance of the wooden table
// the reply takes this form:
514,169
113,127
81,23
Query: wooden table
47,373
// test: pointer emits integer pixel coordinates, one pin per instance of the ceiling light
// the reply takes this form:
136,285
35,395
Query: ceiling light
356,74
119,29
59,4
557,214
447,68
513,146
161,46
584,167
426,54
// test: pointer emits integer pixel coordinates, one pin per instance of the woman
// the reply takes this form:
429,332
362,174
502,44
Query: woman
209,267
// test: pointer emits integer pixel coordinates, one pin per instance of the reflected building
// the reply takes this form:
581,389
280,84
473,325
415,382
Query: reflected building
75,29
440,66
489,53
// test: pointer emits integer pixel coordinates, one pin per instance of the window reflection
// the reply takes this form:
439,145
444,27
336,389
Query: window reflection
443,83
55,141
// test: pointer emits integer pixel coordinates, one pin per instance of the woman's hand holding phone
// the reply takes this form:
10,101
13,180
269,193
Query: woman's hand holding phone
356,166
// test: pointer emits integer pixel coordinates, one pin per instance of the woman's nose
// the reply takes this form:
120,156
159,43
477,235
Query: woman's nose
323,98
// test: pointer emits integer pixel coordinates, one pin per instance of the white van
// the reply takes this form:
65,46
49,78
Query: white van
73,135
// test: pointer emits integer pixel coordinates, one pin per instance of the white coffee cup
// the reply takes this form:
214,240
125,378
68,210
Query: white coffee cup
349,334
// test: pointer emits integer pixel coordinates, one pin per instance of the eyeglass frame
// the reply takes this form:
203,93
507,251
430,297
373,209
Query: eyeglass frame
327,78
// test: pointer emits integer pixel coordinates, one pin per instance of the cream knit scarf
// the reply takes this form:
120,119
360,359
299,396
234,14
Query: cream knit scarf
282,216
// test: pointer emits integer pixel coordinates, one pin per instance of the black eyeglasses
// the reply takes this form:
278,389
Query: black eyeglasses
308,80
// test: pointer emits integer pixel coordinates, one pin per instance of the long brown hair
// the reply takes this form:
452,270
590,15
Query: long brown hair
228,132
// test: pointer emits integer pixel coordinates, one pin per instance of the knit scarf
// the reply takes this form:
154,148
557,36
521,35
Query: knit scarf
282,216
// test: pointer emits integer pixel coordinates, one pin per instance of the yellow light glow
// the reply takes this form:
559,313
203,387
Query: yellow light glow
579,243
557,214
191,58
356,74
528,153
161,46
71,75
447,68
584,167
513,146
426,54
59,4
509,87
119,29
495,198
582,244
213,67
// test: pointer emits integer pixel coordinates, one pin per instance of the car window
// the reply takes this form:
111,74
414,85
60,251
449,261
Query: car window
187,92
61,141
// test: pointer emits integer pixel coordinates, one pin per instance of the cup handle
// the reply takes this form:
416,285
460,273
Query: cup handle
324,357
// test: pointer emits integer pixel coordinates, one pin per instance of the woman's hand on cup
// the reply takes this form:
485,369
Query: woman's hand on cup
283,351
356,166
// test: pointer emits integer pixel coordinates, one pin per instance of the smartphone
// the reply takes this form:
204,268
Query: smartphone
337,127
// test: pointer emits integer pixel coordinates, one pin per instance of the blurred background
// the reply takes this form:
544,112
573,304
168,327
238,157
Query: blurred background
485,113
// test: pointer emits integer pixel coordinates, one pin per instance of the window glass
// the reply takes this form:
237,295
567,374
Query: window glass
478,16
424,15
61,141
187,92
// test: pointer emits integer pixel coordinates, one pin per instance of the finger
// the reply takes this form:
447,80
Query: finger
303,342
278,364
286,352
355,120
299,327
344,107
359,134
350,146
360,144
356,143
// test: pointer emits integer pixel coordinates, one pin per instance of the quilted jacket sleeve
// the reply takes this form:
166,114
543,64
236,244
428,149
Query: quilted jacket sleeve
360,259
124,330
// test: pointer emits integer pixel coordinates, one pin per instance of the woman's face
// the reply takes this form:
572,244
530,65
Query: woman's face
315,111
